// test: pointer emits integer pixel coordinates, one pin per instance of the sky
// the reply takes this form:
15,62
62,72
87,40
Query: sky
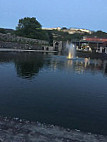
87,14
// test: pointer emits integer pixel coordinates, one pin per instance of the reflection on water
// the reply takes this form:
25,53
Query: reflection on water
80,65
52,89
87,62
28,65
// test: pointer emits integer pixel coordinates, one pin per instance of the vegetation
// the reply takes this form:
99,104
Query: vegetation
60,35
63,28
2,30
5,31
99,34
31,28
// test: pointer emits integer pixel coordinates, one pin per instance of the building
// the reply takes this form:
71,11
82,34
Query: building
76,30
103,48
101,43
95,39
70,31
57,28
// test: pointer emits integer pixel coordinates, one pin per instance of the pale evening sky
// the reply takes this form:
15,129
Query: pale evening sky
89,14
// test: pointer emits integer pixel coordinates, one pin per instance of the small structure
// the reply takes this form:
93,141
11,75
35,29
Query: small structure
47,48
103,48
57,45
96,44
84,47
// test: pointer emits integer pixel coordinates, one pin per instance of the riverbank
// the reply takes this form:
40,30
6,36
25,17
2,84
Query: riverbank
18,130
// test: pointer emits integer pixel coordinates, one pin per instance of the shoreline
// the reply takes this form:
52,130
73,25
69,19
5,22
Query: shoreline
25,50
19,130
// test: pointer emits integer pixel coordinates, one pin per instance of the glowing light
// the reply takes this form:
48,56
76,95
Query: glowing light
69,56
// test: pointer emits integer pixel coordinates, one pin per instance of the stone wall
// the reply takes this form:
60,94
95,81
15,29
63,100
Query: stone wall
9,41
23,40
15,45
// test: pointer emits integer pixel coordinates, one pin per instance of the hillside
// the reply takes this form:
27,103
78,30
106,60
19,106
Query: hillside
62,35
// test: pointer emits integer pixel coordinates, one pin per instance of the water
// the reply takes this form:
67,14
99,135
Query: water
54,90
71,50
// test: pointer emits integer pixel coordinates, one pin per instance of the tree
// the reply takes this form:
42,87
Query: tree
2,30
31,28
99,34
64,28
28,23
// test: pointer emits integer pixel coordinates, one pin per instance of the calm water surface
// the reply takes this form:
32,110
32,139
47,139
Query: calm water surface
53,90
